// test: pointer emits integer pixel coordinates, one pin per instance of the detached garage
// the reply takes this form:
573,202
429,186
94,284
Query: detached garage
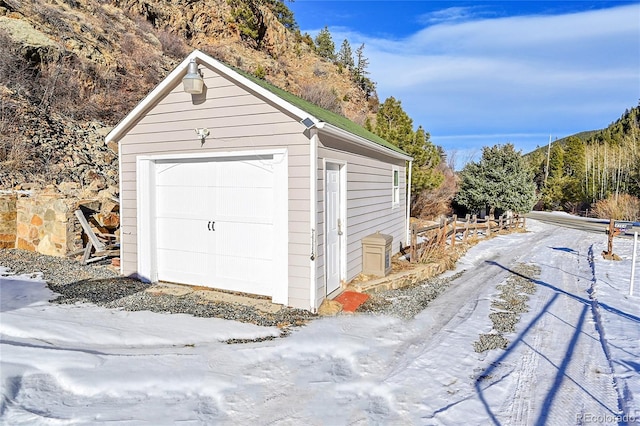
238,185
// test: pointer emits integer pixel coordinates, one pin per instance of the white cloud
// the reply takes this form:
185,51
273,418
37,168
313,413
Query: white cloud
526,74
451,14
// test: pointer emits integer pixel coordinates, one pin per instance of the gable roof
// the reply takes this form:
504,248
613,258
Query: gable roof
324,120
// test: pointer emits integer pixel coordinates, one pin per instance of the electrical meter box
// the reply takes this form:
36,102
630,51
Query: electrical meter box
376,254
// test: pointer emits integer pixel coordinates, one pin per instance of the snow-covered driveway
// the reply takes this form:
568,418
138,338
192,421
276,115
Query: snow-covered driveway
573,358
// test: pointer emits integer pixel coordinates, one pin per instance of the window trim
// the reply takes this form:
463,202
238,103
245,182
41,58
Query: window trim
395,186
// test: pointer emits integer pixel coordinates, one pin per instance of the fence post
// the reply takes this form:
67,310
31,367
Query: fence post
500,222
633,262
466,228
414,243
475,225
489,219
610,233
453,236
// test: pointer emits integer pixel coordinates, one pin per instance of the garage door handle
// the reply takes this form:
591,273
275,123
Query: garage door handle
210,226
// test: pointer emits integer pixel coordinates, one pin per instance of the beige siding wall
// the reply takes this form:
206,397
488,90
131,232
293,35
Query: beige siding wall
369,202
238,120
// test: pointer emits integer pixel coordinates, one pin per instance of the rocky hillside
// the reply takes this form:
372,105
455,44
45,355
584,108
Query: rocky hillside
71,69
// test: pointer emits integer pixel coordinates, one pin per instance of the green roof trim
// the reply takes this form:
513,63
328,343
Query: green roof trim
322,114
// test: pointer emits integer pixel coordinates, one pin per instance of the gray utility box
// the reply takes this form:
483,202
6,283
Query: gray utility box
376,254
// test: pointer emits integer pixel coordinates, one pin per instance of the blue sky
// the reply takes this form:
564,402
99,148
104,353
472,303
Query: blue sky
480,73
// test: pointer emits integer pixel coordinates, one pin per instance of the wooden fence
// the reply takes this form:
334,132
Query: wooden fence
450,230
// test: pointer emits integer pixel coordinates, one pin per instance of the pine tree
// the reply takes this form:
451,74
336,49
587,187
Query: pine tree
324,44
360,73
283,14
500,180
249,18
574,169
345,56
395,126
426,157
362,63
556,161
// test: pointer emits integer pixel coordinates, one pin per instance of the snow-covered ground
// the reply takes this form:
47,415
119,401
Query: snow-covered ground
573,359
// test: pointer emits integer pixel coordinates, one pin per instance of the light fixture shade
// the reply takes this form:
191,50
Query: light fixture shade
193,82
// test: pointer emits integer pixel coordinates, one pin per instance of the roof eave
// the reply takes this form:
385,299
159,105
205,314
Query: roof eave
332,130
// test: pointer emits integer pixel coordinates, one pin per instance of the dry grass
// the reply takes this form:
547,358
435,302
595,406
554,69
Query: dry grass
437,202
621,207
323,96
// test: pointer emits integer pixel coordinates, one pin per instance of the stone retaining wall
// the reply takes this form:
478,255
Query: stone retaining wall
418,273
8,214
46,224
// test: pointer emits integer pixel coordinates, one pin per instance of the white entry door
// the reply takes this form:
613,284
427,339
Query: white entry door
334,225
215,223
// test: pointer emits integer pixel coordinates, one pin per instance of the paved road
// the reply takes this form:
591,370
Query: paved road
581,223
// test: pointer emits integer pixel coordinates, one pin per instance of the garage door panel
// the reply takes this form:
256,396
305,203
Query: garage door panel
237,252
182,234
180,201
245,174
196,173
246,203
245,240
233,273
183,267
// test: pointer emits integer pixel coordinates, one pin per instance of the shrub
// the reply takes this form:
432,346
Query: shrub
323,96
172,45
260,72
433,203
620,207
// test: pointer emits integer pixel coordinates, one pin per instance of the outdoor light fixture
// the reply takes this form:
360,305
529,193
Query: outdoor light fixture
202,134
193,82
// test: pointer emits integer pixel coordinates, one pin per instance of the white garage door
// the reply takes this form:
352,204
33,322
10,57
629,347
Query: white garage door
216,223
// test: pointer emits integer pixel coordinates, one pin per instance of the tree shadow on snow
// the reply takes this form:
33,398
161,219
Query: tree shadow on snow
565,249
561,373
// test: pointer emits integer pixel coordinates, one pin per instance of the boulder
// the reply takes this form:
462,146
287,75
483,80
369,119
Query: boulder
329,308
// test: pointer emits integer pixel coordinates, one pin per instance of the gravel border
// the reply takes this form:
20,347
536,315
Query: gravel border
407,302
103,286
508,305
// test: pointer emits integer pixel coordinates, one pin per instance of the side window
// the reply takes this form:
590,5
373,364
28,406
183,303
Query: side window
395,199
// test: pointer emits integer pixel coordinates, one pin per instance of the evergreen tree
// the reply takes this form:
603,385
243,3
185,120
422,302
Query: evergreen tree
574,169
555,181
556,161
500,180
345,55
250,18
395,126
360,73
324,44
283,14
362,63
426,157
